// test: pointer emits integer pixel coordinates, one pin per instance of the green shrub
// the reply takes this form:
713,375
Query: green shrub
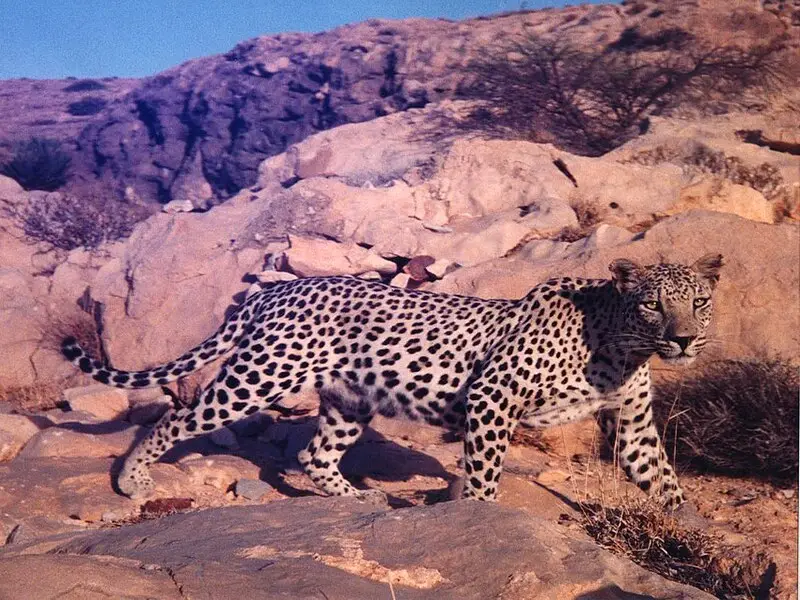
738,417
38,164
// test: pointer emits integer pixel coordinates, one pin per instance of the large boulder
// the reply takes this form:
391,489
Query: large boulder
342,547
172,285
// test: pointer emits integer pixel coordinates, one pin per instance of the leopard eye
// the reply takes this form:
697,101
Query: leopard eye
652,305
700,302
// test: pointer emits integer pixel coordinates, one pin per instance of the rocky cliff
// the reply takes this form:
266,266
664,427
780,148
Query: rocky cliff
199,131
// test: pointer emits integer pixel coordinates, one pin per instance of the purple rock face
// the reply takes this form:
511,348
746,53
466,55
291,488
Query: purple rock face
199,131
215,119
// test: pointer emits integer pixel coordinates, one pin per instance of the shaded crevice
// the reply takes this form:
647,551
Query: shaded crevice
148,115
757,137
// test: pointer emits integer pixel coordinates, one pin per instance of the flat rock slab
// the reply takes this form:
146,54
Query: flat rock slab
331,548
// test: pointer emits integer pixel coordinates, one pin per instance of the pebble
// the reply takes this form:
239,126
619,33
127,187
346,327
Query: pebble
252,489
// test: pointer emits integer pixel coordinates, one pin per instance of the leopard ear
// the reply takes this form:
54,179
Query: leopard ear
708,267
625,274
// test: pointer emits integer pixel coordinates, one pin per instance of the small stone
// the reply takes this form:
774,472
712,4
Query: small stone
437,228
439,268
252,489
401,280
788,493
275,276
9,446
178,206
104,402
417,266
370,276
552,476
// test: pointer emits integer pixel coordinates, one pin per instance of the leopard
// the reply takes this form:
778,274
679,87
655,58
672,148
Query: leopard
570,349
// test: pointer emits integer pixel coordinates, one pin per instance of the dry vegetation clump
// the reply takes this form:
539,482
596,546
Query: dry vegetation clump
765,178
588,215
738,417
44,395
531,437
67,222
652,538
34,397
156,509
590,101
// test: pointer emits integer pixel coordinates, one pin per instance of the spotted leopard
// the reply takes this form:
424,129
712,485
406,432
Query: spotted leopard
569,349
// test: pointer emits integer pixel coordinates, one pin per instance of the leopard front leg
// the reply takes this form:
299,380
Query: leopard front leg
489,426
632,432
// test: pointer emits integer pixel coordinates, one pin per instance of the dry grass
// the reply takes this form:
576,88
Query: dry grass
765,178
643,532
81,323
787,204
531,437
34,397
66,221
737,417
700,159
588,213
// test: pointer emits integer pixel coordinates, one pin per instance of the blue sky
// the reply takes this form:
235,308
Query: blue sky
132,38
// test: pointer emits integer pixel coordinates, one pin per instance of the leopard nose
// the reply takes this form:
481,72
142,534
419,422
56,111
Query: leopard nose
684,341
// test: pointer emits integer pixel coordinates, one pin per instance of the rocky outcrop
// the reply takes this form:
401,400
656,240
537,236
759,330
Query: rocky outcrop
344,548
364,199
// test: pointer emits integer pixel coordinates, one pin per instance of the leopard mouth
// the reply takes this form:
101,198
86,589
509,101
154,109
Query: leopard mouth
675,355
680,359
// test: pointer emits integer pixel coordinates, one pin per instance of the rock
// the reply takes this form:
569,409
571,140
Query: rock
311,257
219,472
552,476
66,443
140,326
416,267
251,489
724,196
268,277
439,268
401,280
102,401
178,206
54,494
15,431
9,188
371,276
82,577
421,549
9,446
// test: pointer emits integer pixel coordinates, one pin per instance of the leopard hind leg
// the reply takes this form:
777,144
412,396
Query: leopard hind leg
343,416
229,398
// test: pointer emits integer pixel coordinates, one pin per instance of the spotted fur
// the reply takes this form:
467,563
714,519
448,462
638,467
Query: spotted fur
569,349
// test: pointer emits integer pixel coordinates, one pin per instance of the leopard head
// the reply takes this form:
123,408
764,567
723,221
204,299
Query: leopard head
666,307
